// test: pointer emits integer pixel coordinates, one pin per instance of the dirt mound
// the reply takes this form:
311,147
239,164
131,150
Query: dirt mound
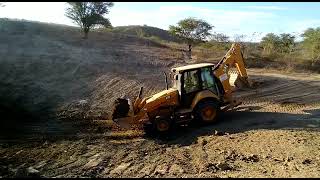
49,69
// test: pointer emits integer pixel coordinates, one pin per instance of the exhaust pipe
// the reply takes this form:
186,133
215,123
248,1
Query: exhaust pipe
166,80
140,92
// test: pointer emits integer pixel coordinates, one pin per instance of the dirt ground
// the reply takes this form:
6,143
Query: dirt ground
48,70
274,133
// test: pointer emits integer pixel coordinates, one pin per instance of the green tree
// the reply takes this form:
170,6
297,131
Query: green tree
89,14
191,30
286,43
270,43
311,42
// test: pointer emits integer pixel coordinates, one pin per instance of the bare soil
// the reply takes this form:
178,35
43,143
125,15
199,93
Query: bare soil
274,133
56,97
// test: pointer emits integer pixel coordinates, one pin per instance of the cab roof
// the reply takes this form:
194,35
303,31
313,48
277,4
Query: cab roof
191,67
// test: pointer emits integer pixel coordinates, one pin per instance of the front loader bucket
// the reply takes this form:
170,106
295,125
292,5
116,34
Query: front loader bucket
122,115
120,112
121,108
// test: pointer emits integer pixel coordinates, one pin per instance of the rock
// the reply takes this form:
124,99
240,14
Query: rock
224,166
307,161
218,133
204,142
120,168
41,164
105,171
253,158
288,159
147,170
83,102
45,143
176,169
233,155
161,169
221,152
250,158
92,163
212,167
277,159
19,152
31,172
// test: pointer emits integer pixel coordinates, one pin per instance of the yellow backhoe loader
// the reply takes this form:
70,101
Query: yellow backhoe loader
199,92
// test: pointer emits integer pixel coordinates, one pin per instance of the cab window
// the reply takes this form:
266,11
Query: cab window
191,81
208,79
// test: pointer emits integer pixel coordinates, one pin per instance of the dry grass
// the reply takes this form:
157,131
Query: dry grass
254,57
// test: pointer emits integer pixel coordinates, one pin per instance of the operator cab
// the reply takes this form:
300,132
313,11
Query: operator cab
191,79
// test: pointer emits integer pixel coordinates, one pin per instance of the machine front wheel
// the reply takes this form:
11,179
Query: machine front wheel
208,112
161,125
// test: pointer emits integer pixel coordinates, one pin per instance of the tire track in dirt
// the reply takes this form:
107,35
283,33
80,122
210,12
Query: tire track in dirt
255,140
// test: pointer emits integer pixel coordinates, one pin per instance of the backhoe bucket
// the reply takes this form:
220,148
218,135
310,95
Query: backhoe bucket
238,82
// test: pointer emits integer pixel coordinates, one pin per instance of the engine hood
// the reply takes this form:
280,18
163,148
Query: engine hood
162,94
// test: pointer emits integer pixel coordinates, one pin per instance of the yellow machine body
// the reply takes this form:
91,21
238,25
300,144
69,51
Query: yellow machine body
169,101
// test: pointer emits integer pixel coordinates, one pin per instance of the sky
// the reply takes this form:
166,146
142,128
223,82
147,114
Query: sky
251,19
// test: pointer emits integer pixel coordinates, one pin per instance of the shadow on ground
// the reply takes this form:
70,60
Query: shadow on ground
242,121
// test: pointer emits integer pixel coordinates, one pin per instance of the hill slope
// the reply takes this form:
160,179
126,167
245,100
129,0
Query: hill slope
145,31
47,68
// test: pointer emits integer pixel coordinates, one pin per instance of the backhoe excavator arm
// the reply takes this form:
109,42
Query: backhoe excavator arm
234,57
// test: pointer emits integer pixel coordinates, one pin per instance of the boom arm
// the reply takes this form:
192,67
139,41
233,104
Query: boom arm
235,58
